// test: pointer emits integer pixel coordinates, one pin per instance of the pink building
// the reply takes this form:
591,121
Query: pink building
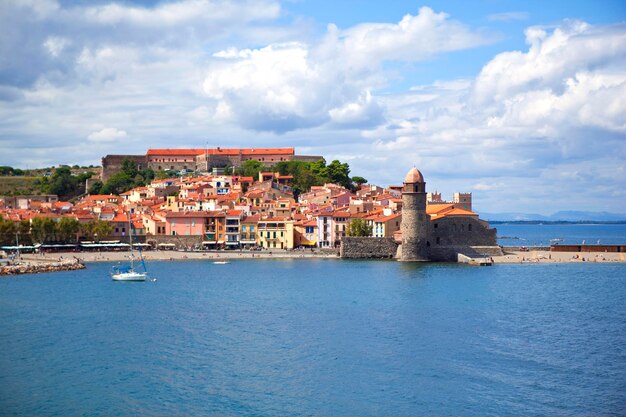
190,223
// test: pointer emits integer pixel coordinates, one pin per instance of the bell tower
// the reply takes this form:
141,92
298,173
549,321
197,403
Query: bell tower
414,218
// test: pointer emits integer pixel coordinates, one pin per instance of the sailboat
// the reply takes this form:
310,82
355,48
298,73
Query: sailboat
128,273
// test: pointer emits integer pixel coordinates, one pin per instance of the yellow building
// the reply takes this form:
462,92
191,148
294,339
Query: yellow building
305,233
249,231
275,233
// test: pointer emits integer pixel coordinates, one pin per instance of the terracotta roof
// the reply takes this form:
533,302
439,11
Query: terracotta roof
221,151
414,176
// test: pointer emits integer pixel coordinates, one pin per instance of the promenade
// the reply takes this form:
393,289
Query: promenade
50,262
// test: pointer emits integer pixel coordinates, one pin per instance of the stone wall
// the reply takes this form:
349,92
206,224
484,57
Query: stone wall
367,247
111,164
461,231
181,242
450,253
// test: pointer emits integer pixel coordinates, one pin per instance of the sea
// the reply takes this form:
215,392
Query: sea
515,234
316,337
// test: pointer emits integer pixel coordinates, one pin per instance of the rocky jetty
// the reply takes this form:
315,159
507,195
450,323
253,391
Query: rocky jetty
40,267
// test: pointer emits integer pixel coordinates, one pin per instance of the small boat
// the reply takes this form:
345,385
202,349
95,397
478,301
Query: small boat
221,262
128,273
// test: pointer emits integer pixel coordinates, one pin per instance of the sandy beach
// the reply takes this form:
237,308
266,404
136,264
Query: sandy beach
88,257
516,257
510,257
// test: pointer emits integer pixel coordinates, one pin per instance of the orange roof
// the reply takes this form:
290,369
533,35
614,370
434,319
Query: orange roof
221,151
438,208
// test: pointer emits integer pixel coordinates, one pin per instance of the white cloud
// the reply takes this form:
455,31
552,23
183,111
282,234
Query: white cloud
288,86
108,134
527,116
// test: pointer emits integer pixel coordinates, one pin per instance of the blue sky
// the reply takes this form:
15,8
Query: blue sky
521,103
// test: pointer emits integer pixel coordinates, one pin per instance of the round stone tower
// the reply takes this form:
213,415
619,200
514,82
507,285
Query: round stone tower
414,218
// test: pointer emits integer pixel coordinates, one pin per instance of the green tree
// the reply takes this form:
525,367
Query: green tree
359,180
67,229
23,229
251,168
8,230
338,173
358,227
42,229
95,188
101,229
62,183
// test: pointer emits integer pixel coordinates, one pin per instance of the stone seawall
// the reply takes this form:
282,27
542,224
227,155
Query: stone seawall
450,253
368,248
36,268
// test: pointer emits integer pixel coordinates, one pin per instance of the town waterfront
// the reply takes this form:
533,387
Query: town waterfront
316,337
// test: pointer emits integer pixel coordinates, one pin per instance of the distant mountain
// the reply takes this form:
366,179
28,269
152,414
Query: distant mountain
601,216
508,217
568,216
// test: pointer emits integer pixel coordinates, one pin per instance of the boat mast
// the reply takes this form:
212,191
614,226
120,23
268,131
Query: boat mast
130,240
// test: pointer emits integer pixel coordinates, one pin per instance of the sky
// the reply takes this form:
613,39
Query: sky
521,103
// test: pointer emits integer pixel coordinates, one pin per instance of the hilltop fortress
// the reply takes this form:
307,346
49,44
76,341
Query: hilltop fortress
201,159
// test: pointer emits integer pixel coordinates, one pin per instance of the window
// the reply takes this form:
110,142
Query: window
436,225
251,228
469,227
243,229
438,240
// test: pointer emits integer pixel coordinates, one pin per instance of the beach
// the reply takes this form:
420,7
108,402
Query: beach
157,255
546,257
510,257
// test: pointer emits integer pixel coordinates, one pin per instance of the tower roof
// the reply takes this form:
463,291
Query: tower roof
413,176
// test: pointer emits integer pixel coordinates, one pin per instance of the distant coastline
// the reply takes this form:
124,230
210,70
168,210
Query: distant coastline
588,222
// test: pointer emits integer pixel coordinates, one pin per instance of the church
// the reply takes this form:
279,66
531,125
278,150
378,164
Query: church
440,232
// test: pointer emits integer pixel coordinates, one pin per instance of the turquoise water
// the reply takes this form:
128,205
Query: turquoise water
316,338
541,234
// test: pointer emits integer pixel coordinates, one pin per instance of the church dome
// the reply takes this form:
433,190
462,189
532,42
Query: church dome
413,176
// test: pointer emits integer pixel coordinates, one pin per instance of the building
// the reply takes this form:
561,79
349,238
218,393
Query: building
201,159
440,231
415,222
275,233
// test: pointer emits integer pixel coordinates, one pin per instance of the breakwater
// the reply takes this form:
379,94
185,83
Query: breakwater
40,267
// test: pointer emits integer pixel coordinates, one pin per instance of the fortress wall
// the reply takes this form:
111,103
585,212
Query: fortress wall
367,247
461,231
112,164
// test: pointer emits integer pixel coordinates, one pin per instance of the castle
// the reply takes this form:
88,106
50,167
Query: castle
201,159
431,233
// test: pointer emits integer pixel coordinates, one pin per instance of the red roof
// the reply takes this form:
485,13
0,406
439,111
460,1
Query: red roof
221,151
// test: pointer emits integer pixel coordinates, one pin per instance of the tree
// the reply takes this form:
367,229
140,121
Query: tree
95,188
102,229
7,231
358,227
42,229
251,168
338,173
62,183
359,180
67,229
96,230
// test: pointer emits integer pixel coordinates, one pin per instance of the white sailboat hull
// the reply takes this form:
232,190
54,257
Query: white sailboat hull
129,276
